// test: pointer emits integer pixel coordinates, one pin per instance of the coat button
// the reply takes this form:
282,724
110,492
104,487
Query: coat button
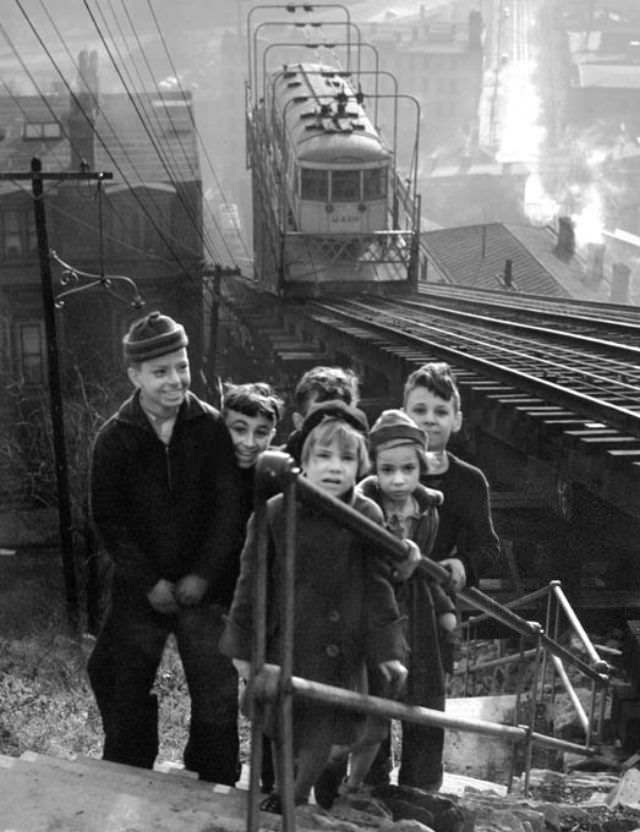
333,651
334,616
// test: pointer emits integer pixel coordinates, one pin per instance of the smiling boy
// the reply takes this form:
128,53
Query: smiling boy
165,500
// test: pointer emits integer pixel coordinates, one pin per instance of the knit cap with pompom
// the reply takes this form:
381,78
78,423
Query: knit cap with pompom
152,336
393,428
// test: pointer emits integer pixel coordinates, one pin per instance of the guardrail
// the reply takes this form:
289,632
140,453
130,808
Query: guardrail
269,683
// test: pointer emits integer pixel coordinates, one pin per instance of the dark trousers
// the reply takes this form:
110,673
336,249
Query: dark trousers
420,758
122,670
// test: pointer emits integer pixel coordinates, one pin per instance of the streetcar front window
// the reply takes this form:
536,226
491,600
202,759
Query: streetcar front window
375,184
314,185
345,186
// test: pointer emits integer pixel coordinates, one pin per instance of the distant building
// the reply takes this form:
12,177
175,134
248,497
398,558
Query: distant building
604,49
144,223
515,257
439,60
472,191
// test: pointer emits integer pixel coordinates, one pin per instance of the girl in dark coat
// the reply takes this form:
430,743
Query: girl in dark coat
398,448
346,615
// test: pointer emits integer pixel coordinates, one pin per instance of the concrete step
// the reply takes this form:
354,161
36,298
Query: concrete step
39,793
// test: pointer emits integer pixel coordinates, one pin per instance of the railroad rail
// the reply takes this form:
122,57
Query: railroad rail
547,379
598,377
524,305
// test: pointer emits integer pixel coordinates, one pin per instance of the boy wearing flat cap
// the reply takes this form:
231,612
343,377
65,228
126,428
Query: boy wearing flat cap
165,499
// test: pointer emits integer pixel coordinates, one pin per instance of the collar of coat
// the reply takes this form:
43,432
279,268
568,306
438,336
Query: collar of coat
425,497
131,411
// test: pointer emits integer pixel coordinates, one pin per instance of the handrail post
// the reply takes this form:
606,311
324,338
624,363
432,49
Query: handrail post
285,693
533,708
255,701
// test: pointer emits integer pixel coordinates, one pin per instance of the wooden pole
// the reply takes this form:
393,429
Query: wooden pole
56,404
37,176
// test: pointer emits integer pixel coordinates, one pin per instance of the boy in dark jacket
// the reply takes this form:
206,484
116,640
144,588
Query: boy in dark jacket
466,537
317,385
251,413
165,499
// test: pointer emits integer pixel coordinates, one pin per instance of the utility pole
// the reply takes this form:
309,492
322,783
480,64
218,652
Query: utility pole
217,272
55,393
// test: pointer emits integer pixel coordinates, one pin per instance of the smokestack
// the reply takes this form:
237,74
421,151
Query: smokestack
508,274
83,110
566,244
620,283
475,31
595,264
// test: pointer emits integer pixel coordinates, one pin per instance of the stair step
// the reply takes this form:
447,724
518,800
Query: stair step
39,793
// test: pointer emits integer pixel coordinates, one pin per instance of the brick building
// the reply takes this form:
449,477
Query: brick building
144,223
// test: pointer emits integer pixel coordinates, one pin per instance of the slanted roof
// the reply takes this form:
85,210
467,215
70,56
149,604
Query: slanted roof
475,255
16,152
121,141
169,119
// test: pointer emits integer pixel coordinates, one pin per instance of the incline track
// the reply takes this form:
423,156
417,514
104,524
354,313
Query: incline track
576,313
596,374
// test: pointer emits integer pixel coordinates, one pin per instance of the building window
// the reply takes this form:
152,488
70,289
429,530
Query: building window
18,237
42,130
31,343
32,235
11,242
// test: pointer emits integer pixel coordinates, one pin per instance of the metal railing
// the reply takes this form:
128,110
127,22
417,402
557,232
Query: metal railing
547,662
270,683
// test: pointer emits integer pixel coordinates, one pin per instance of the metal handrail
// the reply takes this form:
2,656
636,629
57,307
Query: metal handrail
276,471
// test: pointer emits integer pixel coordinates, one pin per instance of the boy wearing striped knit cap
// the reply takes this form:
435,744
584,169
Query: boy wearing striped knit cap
166,502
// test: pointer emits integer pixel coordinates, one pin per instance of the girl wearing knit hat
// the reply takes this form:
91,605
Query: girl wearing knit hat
398,447
346,616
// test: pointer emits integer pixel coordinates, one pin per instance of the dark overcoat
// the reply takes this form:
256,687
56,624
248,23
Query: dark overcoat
164,511
426,681
346,616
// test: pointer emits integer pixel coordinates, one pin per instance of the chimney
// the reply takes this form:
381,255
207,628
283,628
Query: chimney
508,274
566,244
620,283
83,110
475,31
595,264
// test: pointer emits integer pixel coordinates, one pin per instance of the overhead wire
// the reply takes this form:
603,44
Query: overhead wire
206,287
207,242
203,146
167,109
107,150
137,108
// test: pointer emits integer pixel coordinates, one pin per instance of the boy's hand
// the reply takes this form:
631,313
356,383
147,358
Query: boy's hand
458,572
395,673
243,667
190,589
161,597
404,570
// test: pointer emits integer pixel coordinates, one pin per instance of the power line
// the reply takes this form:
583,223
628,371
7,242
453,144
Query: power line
96,132
161,97
195,128
141,118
